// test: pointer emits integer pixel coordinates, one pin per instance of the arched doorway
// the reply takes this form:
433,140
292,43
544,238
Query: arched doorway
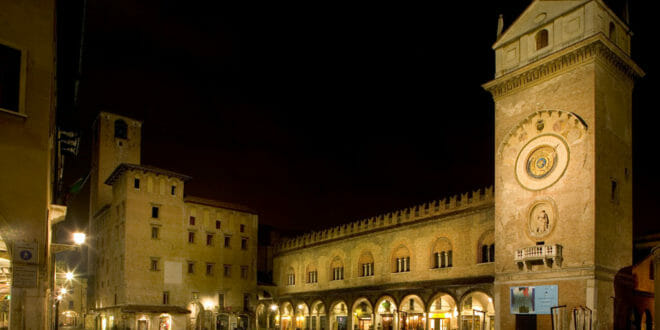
363,314
338,316
286,316
442,312
411,313
477,311
262,317
318,319
302,316
386,313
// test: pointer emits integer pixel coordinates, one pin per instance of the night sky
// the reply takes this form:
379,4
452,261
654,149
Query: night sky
314,114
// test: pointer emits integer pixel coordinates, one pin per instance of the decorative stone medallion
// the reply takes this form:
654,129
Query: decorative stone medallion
541,218
542,161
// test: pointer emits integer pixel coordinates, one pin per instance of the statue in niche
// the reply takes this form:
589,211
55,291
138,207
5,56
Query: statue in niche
541,219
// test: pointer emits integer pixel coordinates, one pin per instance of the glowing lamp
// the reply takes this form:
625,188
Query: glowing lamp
79,238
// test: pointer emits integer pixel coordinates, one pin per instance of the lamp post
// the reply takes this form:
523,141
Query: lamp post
78,240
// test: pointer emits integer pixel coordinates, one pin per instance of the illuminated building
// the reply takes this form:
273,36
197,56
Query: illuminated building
548,246
159,258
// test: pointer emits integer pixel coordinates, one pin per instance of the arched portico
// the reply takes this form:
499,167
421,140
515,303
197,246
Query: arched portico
301,320
362,314
318,317
476,310
386,313
442,312
411,313
339,315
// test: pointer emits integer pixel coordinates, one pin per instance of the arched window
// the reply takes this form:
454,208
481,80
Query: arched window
121,129
541,39
312,274
366,264
401,260
612,31
486,247
290,277
337,269
442,254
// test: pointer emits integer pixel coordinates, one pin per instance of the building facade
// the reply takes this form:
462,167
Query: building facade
27,162
560,218
161,259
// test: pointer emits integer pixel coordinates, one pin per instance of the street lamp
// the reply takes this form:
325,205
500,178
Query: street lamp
79,238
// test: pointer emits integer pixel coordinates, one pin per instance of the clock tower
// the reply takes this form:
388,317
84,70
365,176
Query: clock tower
563,164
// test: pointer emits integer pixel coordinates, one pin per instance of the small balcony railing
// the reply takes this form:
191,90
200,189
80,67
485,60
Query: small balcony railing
549,255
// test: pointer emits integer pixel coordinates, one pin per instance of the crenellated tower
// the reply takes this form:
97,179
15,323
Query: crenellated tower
563,160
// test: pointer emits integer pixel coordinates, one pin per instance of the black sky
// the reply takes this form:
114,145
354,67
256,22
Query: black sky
316,114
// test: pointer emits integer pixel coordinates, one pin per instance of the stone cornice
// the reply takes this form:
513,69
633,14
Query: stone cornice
582,52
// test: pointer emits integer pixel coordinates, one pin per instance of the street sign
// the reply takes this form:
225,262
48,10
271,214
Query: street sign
26,252
24,276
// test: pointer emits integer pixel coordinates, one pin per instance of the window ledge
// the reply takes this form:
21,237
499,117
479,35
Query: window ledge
15,113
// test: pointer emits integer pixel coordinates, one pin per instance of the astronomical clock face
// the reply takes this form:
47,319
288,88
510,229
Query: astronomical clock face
541,162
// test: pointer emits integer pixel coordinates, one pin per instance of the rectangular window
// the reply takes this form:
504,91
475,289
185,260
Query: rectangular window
166,297
173,190
246,301
244,243
154,265
221,301
209,239
227,271
209,269
242,228
191,267
244,272
191,237
191,221
154,232
227,241
338,273
10,78
217,224
154,212
136,183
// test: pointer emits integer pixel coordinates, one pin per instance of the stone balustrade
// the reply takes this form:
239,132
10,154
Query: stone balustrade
549,255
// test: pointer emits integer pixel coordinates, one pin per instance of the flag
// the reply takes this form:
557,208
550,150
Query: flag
77,186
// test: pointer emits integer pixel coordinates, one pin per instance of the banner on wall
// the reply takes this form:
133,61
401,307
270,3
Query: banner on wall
533,299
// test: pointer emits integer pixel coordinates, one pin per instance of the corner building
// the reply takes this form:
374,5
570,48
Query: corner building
161,259
561,215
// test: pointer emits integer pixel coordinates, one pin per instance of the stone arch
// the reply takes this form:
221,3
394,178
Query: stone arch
567,124
486,247
442,311
385,312
477,303
441,255
362,313
401,259
261,313
318,315
338,313
301,315
286,315
441,301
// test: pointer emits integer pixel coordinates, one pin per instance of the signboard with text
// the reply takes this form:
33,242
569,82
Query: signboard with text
533,299
26,252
